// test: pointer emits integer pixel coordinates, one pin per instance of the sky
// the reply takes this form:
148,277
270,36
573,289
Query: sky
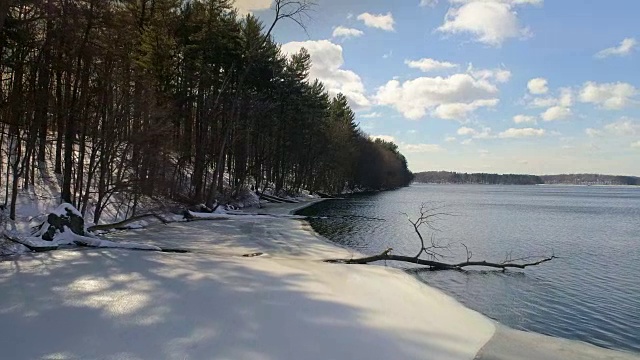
505,86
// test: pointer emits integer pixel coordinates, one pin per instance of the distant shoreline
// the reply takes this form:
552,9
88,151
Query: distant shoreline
577,185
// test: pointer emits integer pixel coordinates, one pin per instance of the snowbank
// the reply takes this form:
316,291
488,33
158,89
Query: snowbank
215,304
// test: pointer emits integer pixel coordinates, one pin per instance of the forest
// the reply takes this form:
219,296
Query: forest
176,99
448,177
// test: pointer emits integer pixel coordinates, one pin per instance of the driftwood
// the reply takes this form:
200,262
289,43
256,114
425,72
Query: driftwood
428,215
121,224
276,199
437,265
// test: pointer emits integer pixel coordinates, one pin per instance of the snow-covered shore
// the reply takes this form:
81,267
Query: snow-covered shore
215,303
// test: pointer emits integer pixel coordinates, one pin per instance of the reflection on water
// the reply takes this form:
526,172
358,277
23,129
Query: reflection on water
591,294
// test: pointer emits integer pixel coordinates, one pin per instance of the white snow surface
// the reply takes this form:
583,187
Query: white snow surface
213,303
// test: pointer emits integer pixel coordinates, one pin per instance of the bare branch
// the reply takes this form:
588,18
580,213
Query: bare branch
429,213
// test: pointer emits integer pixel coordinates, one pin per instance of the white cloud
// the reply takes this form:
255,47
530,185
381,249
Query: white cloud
409,148
455,111
538,86
327,62
489,21
386,138
556,113
446,97
592,132
498,75
427,64
475,134
524,119
464,131
623,127
430,3
247,6
625,48
521,133
636,145
420,148
378,21
564,99
372,115
450,139
612,96
346,32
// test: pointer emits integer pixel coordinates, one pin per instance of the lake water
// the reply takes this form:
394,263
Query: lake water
591,293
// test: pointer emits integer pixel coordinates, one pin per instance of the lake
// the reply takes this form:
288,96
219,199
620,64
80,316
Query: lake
591,293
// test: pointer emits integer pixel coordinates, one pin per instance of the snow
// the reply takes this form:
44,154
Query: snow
213,303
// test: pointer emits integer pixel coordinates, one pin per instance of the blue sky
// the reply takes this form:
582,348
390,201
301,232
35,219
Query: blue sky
507,86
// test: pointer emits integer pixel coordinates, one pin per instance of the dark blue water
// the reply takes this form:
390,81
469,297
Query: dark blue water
592,293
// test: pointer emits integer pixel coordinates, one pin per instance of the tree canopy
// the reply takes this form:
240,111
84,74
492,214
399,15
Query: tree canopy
171,98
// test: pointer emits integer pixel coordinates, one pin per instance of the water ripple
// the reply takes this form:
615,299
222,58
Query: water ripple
590,294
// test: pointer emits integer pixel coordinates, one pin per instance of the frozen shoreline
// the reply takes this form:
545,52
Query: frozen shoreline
213,303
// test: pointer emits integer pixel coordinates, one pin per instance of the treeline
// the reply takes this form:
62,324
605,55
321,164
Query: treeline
447,177
591,179
171,98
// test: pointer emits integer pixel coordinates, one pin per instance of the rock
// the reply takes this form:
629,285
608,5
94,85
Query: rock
64,216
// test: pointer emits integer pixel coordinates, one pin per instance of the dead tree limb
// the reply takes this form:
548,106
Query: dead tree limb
437,265
121,224
428,215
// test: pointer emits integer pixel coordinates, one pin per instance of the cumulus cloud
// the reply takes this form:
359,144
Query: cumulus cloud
490,21
446,97
624,48
409,148
372,115
450,139
247,6
419,148
636,145
465,131
556,113
591,132
427,65
327,62
485,133
538,86
624,127
378,21
455,111
564,99
524,119
345,32
611,96
521,133
430,3
498,75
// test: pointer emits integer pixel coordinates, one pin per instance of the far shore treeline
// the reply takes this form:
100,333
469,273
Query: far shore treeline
175,99
448,177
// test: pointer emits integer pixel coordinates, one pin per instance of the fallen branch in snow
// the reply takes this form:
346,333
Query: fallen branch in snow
437,265
429,214
28,245
121,224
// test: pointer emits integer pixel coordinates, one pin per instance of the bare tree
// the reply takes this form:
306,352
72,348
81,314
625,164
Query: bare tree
434,250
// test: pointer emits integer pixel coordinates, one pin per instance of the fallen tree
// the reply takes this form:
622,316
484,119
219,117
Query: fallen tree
434,250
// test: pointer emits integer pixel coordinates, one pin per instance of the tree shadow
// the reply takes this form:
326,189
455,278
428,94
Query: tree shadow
144,305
